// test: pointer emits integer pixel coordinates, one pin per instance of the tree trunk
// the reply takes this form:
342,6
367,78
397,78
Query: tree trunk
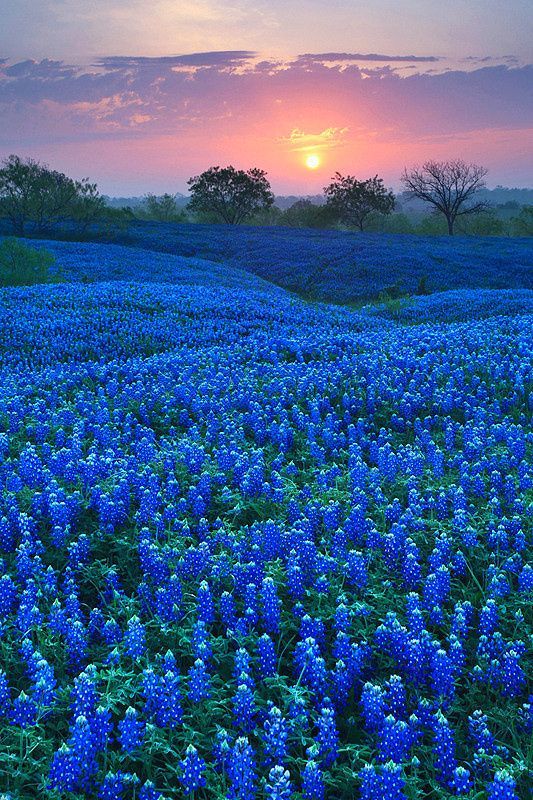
450,222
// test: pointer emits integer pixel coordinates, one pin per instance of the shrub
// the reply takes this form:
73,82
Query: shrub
522,225
422,287
21,265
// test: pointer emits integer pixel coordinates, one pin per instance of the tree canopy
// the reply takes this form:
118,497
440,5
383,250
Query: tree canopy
230,195
32,193
354,201
162,208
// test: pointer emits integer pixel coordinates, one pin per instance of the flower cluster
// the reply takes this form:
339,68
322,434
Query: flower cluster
254,547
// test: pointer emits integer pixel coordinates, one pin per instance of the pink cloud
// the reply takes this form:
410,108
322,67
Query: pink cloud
180,114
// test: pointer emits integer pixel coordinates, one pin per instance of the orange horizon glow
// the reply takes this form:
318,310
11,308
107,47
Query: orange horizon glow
137,140
160,165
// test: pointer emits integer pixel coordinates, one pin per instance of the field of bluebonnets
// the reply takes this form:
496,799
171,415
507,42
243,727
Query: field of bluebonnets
253,547
329,265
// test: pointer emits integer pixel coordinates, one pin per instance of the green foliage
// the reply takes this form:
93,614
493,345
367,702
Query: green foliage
88,207
522,225
393,292
432,225
24,266
32,194
422,287
393,223
114,223
267,216
393,299
305,214
485,223
162,208
232,196
353,201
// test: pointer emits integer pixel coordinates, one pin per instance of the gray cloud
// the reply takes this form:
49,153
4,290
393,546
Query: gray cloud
328,57
48,101
216,58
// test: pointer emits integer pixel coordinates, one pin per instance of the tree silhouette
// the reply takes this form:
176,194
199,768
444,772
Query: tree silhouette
230,195
162,208
32,193
353,201
449,186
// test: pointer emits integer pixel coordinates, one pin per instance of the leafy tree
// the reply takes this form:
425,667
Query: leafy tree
397,223
230,195
431,225
391,223
486,223
449,186
54,195
21,265
30,192
18,182
162,208
115,222
88,207
353,201
306,214
522,225
267,217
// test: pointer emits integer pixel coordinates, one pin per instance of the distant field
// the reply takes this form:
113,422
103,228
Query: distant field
89,262
344,267
330,266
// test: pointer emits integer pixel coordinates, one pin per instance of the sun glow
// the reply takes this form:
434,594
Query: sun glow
312,161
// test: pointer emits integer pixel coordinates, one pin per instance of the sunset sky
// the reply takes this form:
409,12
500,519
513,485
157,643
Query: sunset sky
139,96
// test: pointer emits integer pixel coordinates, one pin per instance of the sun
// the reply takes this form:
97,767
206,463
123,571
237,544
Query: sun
312,161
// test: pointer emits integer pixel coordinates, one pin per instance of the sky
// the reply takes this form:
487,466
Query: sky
140,96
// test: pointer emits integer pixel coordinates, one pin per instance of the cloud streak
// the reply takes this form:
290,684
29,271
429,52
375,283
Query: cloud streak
367,57
217,58
301,142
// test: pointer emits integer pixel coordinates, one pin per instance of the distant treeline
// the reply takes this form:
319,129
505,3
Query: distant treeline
36,200
509,213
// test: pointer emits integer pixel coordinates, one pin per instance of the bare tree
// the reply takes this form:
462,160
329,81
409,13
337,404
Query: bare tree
449,186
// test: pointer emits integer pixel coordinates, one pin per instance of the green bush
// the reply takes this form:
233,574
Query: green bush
21,265
522,225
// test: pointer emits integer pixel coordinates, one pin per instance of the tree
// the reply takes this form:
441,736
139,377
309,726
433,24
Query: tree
449,186
30,192
18,181
306,214
522,225
230,195
88,206
485,223
54,195
354,201
162,208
